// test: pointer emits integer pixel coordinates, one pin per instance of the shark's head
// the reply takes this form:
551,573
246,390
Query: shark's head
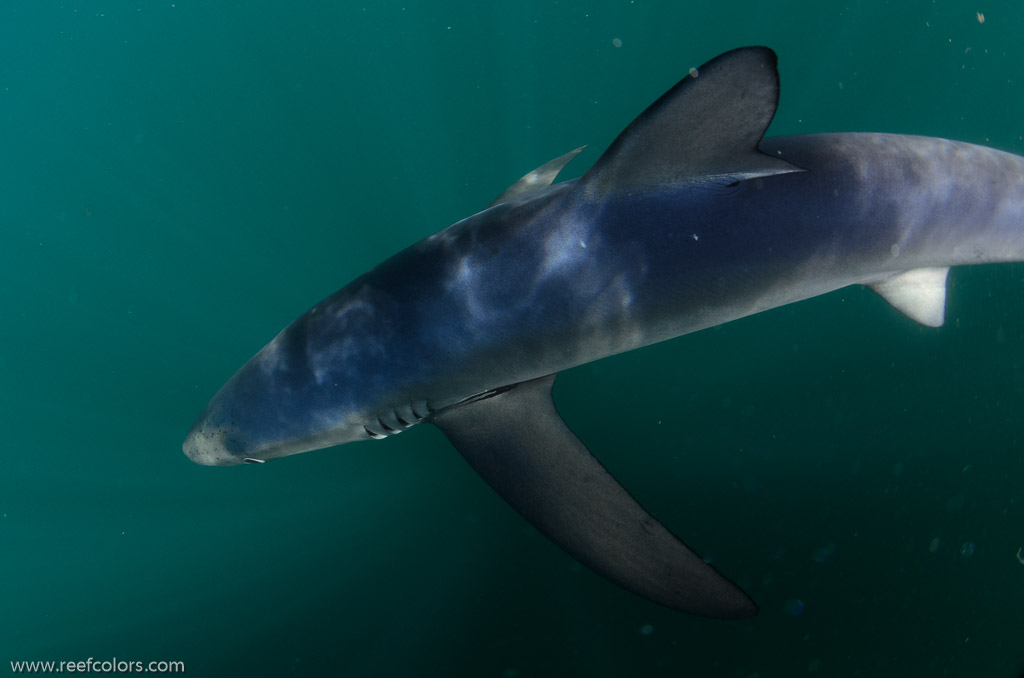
250,421
281,402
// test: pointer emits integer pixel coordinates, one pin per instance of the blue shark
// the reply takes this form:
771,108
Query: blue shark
690,219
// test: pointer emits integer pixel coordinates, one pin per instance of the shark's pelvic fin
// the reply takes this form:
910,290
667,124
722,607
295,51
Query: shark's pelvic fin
538,178
707,126
517,442
919,294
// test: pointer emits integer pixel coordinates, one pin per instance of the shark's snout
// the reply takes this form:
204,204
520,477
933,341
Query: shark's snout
207,448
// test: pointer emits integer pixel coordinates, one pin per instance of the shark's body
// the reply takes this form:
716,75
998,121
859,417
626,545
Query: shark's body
683,224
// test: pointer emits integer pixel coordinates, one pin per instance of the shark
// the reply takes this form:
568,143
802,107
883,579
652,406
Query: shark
691,218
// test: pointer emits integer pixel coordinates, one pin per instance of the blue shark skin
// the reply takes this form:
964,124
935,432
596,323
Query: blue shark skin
688,221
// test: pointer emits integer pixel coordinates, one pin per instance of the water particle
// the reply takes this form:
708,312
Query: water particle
894,250
934,546
823,553
616,42
1020,551
694,73
981,18
967,549
647,630
793,606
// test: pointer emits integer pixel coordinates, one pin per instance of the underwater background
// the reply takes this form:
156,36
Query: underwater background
181,179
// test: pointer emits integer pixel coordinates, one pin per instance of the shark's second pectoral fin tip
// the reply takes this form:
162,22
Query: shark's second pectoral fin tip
517,442
919,294
538,178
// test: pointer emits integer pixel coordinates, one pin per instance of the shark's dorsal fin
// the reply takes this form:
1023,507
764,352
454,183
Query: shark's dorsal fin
706,127
919,294
538,178
517,442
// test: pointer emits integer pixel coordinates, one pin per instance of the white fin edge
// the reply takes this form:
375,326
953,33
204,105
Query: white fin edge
919,294
539,178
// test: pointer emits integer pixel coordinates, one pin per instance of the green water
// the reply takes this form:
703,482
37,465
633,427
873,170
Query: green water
180,179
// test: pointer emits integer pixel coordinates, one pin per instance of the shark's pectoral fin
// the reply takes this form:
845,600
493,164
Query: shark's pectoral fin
522,448
919,294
